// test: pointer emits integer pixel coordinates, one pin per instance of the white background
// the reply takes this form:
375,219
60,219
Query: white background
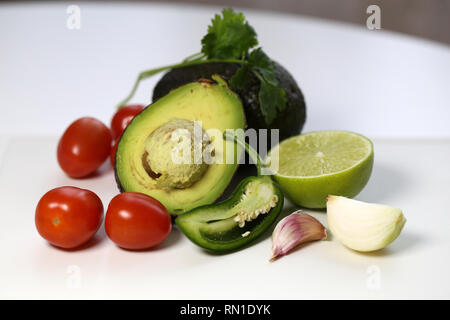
374,82
392,88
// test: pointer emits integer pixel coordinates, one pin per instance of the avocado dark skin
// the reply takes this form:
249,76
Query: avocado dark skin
290,121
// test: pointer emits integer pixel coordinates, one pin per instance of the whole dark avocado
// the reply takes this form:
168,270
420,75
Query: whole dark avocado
290,121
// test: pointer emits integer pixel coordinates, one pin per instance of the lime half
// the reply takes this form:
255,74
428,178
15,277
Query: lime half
311,166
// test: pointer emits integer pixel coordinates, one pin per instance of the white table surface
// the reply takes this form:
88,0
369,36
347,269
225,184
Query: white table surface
394,89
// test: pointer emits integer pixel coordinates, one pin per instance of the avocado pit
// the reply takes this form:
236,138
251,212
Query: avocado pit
173,154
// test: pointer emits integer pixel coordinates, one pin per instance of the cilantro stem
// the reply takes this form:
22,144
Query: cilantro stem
149,73
260,164
260,77
226,61
194,56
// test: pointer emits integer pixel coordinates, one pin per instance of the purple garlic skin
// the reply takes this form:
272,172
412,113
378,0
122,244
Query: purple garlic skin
293,230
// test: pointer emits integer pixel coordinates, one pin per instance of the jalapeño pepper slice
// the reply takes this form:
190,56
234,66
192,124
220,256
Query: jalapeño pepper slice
252,209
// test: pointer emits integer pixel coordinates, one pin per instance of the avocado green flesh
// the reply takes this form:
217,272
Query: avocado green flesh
218,109
214,227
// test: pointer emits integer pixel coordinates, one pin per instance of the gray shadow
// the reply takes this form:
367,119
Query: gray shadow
91,243
384,184
404,243
174,236
408,241
243,171
104,169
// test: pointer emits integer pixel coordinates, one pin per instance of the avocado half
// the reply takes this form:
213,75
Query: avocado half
146,159
290,121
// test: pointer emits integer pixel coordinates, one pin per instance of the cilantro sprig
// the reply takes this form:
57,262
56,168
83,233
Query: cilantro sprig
231,39
229,36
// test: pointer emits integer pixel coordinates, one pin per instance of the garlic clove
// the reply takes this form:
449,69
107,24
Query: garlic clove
293,230
363,226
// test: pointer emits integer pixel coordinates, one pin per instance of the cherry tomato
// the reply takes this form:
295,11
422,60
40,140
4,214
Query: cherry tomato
136,221
123,117
67,217
112,157
84,146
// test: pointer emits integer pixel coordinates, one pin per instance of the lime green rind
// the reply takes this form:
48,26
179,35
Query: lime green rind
311,191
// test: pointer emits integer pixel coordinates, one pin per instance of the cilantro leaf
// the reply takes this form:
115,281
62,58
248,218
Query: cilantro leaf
240,79
228,37
258,58
261,62
271,99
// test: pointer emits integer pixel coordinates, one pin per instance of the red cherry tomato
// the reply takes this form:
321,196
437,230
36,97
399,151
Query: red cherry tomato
123,117
84,146
112,157
136,221
67,217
